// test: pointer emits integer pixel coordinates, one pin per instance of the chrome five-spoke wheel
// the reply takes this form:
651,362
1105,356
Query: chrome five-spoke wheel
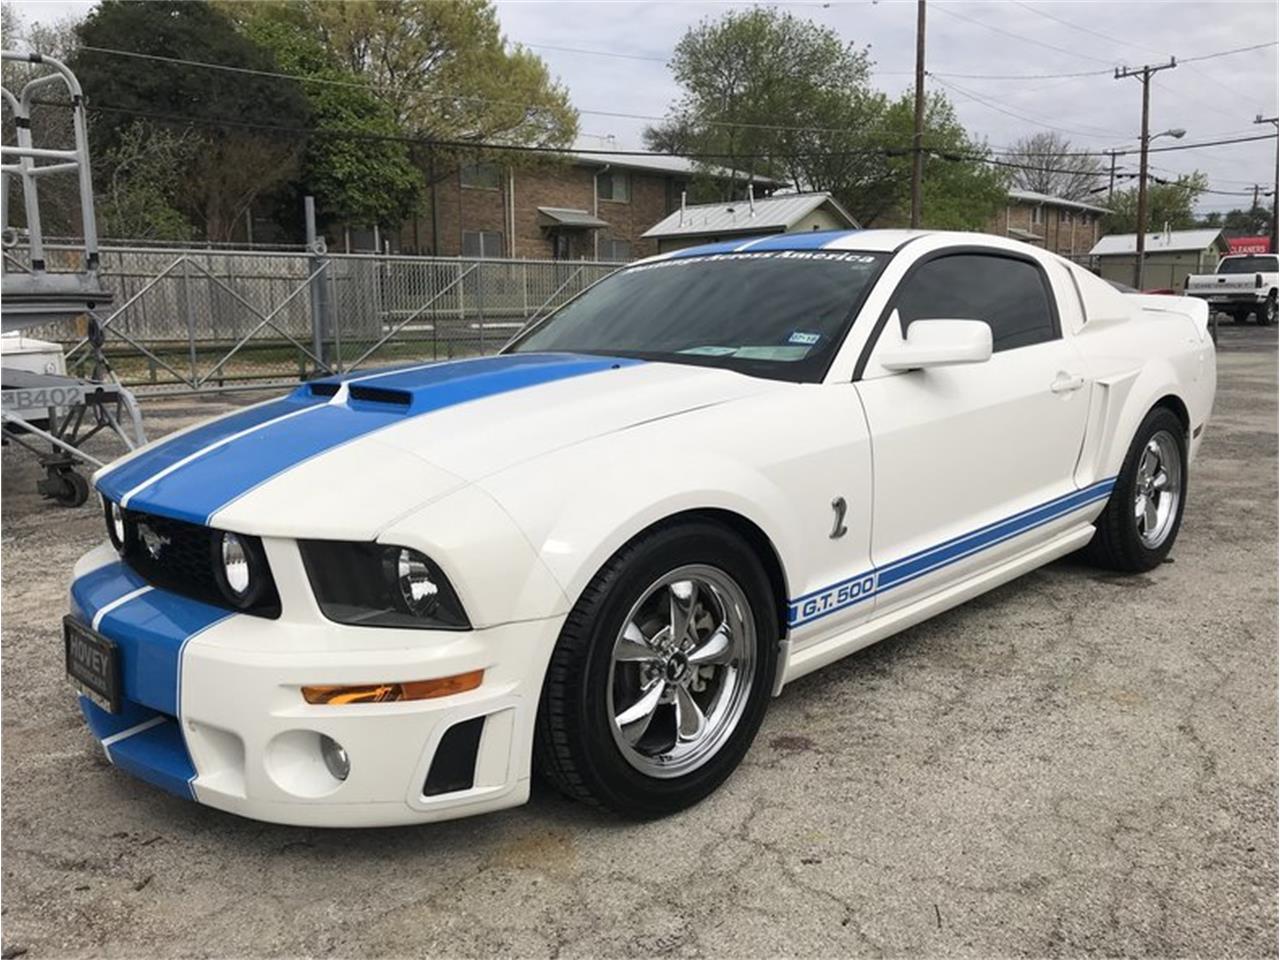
1157,489
681,671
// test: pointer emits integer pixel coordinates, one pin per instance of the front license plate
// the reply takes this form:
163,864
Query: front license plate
93,664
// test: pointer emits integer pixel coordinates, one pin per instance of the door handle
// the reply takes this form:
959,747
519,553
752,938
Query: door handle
1066,384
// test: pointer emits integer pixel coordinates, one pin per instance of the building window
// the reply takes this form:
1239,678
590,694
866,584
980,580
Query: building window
614,185
483,244
616,250
1037,215
481,176
1067,216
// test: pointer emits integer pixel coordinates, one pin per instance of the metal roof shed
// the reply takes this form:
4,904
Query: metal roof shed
1170,256
787,213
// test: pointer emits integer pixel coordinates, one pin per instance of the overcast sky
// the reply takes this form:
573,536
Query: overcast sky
1211,99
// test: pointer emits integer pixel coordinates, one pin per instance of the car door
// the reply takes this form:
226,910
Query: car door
971,462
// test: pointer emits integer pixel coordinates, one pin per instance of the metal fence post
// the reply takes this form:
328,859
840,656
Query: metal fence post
319,299
191,320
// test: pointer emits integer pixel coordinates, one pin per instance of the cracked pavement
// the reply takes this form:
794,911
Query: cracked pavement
1076,763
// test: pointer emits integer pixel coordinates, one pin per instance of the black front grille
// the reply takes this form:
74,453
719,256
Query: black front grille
180,557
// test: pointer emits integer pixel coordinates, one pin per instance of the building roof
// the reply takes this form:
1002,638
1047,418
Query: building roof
1029,236
1030,196
681,166
765,215
1119,244
566,217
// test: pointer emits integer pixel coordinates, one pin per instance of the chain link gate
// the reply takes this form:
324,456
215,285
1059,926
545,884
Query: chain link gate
188,320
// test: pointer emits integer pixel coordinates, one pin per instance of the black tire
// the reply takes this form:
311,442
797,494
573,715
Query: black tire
574,742
1267,311
72,490
1117,545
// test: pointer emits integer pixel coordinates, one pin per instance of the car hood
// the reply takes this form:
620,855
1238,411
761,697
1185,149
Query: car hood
344,457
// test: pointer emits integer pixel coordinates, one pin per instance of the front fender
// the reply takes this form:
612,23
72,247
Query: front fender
777,462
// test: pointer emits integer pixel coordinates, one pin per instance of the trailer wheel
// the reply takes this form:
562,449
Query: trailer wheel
65,487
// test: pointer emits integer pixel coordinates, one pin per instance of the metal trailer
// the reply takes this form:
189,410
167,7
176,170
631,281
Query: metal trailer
62,412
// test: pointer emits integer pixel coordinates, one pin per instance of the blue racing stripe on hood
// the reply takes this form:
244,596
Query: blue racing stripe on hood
115,482
226,471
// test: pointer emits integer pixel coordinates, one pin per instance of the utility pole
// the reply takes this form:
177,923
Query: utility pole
1275,197
1144,74
1111,184
917,138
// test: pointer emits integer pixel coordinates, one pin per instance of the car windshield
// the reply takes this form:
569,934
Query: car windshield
1248,265
777,314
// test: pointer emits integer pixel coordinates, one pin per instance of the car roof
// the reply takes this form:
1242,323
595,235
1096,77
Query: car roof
870,241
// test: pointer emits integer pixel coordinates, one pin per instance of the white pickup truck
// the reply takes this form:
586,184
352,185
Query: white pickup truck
1244,284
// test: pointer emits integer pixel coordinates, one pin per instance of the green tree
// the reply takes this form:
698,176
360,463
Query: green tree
778,95
1252,222
239,157
356,178
753,81
1172,203
445,69
138,181
961,191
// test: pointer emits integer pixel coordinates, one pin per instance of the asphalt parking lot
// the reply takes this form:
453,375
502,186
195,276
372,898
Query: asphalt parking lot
1076,763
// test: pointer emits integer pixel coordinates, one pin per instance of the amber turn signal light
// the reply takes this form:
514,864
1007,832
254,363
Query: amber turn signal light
394,692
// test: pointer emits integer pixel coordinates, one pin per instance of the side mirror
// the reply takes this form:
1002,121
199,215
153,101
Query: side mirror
940,343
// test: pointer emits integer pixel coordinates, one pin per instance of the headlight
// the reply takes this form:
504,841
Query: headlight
376,585
116,528
239,568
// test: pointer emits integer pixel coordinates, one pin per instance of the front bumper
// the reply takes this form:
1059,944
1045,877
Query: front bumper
217,714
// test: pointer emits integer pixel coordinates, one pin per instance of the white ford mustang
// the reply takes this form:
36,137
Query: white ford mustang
388,597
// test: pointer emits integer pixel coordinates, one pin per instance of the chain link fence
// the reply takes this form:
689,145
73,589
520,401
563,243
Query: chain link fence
193,319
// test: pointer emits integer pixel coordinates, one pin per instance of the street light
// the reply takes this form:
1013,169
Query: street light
1140,245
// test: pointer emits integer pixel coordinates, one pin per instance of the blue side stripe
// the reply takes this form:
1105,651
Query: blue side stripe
853,590
199,489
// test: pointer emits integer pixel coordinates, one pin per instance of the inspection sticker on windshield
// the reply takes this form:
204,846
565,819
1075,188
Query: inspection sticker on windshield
808,339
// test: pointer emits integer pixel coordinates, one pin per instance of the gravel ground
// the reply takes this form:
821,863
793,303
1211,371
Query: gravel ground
1076,763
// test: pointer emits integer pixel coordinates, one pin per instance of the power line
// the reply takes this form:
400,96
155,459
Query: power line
1007,111
1018,36
463,98
1095,73
595,53
902,151
942,77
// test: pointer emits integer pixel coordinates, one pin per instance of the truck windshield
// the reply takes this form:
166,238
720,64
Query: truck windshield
779,314
1259,264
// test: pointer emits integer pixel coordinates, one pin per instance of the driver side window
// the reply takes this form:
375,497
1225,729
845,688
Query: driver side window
1008,294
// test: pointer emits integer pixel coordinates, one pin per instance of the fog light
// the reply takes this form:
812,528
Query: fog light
335,758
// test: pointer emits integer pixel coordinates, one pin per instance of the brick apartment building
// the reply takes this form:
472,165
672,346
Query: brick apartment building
1066,227
587,206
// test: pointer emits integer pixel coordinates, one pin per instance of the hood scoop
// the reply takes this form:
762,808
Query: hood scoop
358,395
